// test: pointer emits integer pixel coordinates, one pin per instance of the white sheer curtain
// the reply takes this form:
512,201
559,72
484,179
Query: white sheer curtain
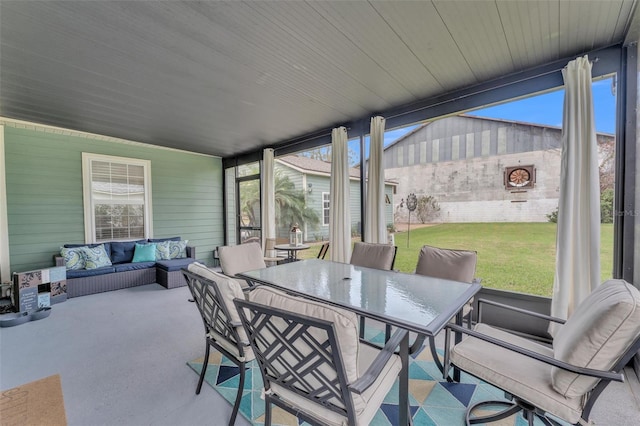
375,230
340,214
268,206
578,237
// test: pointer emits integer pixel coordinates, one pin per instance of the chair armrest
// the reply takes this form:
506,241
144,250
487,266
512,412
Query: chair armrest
372,373
191,252
58,260
600,374
519,310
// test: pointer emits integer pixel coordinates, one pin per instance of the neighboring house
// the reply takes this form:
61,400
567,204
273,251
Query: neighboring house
480,169
313,177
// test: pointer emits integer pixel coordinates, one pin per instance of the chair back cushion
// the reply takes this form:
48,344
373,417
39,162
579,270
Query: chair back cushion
241,258
597,335
229,289
345,323
371,255
456,265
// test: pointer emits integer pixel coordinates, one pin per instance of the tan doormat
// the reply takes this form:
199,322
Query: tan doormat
36,403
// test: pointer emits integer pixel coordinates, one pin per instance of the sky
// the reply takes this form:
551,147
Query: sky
543,109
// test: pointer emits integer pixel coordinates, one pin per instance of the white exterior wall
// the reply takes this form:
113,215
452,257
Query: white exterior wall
473,190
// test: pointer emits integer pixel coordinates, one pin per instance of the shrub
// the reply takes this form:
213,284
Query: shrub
427,208
606,206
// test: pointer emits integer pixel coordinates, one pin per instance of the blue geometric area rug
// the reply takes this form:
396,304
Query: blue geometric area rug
432,401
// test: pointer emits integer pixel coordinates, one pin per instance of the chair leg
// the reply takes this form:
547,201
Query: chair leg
205,363
267,411
529,417
236,405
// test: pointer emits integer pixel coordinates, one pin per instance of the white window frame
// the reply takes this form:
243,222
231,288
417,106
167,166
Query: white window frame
5,264
89,211
328,200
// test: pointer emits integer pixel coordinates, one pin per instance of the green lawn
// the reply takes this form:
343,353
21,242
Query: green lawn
511,256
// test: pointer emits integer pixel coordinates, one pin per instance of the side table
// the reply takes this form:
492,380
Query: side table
292,251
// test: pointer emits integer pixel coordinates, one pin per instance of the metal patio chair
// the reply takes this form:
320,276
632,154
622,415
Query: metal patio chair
241,258
312,363
563,381
271,255
377,256
449,264
373,255
324,248
213,294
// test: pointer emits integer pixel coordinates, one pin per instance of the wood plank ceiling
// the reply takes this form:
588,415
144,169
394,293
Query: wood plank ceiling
224,78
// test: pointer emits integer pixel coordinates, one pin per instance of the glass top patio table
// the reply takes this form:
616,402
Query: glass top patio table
412,302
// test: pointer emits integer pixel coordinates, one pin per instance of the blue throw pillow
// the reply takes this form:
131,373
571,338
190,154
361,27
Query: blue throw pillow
73,257
122,251
144,253
96,257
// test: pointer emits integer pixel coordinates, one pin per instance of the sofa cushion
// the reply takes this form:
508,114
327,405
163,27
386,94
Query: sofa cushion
166,250
144,253
159,240
81,273
123,267
96,257
174,264
122,251
73,257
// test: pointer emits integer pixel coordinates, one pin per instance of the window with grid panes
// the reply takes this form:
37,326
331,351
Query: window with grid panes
325,208
117,198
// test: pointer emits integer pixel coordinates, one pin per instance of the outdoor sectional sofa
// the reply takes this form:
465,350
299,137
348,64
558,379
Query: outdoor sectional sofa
124,273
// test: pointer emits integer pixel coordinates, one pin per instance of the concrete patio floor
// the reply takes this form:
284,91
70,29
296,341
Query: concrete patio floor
122,360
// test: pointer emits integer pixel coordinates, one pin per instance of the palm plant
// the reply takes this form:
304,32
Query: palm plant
290,204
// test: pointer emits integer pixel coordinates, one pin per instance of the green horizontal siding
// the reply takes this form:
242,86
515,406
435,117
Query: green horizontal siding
44,194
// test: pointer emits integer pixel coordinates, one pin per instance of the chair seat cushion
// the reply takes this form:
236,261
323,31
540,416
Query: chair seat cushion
519,375
365,405
231,347
174,264
596,335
